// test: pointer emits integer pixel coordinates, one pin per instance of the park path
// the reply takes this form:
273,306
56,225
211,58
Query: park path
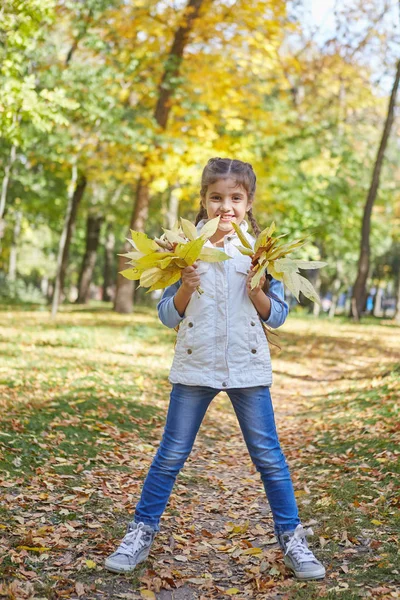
219,495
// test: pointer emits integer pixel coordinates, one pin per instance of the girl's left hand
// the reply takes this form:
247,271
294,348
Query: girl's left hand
253,293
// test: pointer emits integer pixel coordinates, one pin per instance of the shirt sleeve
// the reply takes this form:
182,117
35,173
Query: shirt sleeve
167,312
279,307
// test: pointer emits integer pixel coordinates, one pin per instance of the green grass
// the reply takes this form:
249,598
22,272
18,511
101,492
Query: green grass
83,404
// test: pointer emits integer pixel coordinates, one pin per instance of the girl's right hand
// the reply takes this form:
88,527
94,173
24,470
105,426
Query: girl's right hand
190,278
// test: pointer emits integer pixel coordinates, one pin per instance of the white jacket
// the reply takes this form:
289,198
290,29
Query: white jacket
221,342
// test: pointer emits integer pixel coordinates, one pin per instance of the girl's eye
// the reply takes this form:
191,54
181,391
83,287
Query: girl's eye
236,198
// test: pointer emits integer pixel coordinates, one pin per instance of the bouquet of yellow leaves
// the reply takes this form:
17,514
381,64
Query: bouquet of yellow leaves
158,263
271,256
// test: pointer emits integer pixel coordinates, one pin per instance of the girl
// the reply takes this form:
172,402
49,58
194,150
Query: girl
221,346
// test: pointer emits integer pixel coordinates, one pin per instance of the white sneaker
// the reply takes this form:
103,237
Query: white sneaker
134,548
298,557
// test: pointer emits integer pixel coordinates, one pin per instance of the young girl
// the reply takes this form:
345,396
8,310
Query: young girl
221,345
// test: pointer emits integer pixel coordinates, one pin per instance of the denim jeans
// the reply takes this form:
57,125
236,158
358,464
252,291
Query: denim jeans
253,408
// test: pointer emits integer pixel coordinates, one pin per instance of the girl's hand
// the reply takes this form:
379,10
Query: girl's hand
190,278
254,293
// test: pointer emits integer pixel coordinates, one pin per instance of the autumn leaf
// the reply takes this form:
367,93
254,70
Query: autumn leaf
209,228
79,588
158,263
189,229
269,256
148,594
142,243
253,551
33,549
90,564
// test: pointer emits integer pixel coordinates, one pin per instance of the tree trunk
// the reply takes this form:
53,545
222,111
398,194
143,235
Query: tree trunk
76,189
335,297
12,269
125,289
317,286
4,186
377,309
173,207
397,294
359,292
108,273
123,302
93,227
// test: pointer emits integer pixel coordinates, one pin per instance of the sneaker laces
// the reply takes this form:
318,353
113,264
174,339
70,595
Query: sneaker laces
298,545
133,541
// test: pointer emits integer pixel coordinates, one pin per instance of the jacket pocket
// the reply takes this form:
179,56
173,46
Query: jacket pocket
242,265
186,337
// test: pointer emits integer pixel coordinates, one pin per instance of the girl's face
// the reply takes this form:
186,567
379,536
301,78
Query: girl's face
226,199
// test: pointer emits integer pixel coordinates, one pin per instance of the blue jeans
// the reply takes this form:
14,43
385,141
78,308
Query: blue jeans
253,408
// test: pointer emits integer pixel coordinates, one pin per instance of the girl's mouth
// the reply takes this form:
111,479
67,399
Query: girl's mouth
227,218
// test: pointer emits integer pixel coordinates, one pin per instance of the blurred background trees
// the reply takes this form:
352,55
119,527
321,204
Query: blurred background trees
109,110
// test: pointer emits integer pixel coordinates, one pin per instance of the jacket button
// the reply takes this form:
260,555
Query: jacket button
224,384
254,351
189,351
190,324
252,323
229,238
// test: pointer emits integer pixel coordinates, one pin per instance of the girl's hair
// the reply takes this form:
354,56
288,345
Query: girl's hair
222,168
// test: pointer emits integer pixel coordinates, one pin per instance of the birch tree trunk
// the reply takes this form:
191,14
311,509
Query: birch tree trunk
4,186
335,297
12,268
173,207
397,310
359,290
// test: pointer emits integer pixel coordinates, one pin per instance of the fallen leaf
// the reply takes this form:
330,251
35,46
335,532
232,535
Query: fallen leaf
148,594
253,551
33,549
344,568
79,588
90,564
